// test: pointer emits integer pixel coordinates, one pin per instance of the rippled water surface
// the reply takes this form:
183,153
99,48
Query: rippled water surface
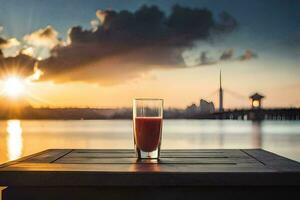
22,137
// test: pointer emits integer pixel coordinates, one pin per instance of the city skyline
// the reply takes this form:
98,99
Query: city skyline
256,44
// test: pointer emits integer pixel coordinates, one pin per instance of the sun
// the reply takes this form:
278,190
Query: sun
14,86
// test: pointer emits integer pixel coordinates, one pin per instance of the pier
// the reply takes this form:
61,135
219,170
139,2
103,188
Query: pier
258,114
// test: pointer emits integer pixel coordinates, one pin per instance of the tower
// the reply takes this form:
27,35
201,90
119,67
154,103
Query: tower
256,100
221,109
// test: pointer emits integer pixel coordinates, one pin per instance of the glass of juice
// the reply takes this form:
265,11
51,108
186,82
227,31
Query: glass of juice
147,127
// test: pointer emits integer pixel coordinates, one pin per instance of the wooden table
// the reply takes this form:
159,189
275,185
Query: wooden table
179,174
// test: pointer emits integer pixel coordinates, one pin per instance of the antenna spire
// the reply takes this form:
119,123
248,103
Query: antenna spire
220,78
221,109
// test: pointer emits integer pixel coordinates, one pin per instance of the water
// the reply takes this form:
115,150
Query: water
21,138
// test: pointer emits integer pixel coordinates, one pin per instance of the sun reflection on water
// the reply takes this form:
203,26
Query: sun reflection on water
14,139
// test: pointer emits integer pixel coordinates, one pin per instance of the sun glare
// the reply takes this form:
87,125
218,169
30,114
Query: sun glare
14,86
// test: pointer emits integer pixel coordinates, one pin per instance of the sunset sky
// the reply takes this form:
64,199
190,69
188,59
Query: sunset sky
100,53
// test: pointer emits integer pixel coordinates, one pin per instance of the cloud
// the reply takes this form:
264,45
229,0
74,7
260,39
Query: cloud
83,63
205,60
21,65
127,44
8,43
227,22
95,24
227,54
122,45
248,54
46,37
101,14
29,51
37,73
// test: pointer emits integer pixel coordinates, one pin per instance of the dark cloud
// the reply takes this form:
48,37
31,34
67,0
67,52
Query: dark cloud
125,44
227,54
205,60
248,54
107,68
21,65
226,23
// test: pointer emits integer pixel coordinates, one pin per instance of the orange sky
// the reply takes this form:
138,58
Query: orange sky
179,88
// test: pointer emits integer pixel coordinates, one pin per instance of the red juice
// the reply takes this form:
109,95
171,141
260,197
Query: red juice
148,133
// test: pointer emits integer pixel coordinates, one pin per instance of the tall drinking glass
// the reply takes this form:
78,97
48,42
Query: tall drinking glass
147,127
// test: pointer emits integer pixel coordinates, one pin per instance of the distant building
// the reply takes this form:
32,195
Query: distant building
192,109
206,107
256,101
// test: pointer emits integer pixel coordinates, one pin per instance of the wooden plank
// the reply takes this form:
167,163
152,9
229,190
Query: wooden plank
164,150
134,168
174,160
164,153
274,161
150,193
161,161
179,157
49,156
241,161
119,178
130,168
103,150
132,155
236,167
100,155
25,158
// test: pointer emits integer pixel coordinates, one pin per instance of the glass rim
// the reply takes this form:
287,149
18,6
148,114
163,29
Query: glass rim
148,99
